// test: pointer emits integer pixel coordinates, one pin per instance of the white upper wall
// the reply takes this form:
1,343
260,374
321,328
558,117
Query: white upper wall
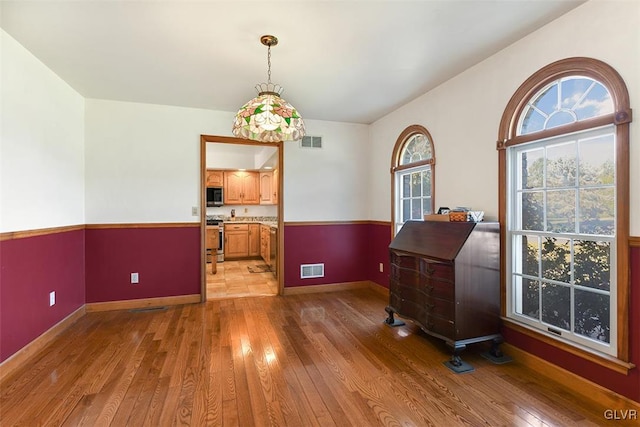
143,165
41,145
463,114
328,183
143,160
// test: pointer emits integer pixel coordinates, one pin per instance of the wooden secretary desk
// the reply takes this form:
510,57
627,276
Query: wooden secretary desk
445,276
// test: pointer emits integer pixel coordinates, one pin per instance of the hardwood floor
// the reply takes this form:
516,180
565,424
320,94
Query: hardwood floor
300,360
233,279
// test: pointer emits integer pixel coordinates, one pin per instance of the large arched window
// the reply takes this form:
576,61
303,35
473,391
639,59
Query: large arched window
412,168
564,190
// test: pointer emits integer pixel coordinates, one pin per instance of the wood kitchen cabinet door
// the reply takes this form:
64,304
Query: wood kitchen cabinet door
233,187
241,188
275,186
251,188
236,244
215,178
266,188
264,243
254,239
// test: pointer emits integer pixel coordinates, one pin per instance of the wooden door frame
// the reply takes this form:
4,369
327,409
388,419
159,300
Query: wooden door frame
204,139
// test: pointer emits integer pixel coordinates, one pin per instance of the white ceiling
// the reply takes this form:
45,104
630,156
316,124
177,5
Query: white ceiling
350,61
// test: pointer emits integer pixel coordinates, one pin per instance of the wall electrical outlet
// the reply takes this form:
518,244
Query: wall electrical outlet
52,298
135,278
381,267
194,211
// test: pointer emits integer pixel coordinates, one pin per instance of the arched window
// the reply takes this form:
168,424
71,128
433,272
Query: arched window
412,168
564,183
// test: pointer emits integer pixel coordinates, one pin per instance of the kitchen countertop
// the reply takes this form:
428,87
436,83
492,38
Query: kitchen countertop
272,224
271,221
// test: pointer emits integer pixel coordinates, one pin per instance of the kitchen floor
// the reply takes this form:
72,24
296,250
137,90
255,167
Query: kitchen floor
233,279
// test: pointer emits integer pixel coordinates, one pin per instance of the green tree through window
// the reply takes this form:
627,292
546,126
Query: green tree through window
563,148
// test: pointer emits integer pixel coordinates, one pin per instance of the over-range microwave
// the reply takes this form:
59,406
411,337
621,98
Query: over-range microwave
215,196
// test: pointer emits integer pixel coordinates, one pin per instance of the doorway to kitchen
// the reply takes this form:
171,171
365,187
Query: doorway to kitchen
241,199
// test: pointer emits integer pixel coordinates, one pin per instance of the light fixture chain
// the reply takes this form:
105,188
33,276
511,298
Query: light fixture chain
269,64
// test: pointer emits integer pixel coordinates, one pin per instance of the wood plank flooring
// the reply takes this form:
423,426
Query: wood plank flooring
300,360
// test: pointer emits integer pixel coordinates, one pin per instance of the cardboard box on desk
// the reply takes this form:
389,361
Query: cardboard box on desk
436,217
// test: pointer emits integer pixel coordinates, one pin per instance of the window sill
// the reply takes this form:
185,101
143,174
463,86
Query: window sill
603,360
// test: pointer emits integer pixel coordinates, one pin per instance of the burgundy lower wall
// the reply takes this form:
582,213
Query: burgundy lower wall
379,238
350,252
167,260
341,247
31,268
626,385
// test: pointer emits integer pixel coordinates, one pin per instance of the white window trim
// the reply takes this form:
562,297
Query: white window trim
570,338
398,191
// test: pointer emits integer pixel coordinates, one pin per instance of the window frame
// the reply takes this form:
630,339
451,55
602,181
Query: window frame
571,236
403,139
620,119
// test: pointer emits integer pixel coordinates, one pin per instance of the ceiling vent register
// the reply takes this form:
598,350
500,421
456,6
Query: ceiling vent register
311,142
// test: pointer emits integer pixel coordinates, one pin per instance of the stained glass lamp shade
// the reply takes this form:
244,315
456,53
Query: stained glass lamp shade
268,118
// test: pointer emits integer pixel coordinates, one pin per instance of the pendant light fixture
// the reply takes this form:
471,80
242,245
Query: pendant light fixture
268,118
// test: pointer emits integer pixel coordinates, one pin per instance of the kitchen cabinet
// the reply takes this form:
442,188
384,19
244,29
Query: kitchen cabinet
241,188
236,241
264,243
273,250
445,276
275,186
254,240
241,240
266,188
211,244
215,178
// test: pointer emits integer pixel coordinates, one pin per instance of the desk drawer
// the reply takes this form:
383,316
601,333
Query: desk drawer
436,270
404,261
